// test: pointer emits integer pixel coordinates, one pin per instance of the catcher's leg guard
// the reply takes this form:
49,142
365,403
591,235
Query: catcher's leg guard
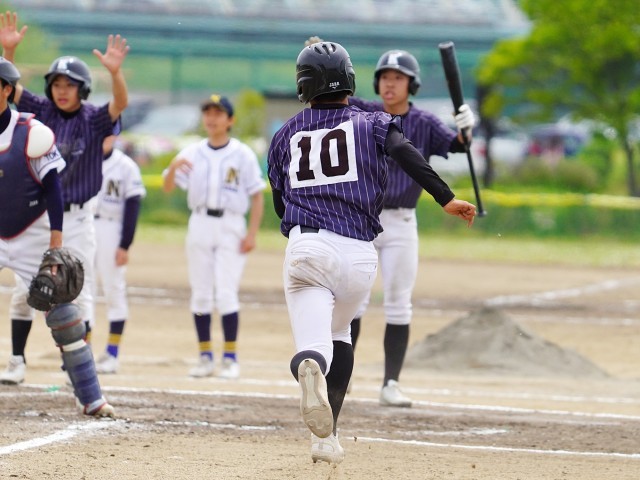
68,330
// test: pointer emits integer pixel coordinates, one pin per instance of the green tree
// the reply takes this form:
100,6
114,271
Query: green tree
251,113
579,57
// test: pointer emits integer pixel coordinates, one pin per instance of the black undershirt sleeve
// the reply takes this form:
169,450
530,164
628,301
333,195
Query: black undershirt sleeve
53,196
457,146
130,220
413,163
278,204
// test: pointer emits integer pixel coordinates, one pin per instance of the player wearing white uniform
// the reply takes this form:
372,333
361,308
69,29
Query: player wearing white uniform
118,205
223,179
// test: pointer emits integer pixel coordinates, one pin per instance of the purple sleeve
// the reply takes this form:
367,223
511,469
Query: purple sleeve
53,197
102,123
130,220
32,103
366,105
414,164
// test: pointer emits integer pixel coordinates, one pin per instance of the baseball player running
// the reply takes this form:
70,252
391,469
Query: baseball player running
118,205
80,129
328,174
396,77
29,186
223,179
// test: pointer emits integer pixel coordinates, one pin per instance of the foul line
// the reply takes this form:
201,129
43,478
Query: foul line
537,299
282,396
633,456
76,429
60,436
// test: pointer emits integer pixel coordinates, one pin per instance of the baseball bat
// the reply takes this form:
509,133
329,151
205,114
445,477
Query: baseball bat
452,74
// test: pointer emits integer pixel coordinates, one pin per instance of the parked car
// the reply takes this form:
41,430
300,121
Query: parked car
560,139
508,146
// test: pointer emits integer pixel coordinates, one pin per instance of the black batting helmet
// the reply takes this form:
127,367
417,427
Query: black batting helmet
401,61
75,69
324,67
10,74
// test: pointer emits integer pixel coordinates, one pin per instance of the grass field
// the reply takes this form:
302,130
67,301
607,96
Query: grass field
579,252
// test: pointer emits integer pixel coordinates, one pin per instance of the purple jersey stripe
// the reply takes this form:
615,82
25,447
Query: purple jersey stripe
329,165
428,134
79,139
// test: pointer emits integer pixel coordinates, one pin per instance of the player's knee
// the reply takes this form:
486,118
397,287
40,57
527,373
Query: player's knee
66,324
201,303
19,307
398,314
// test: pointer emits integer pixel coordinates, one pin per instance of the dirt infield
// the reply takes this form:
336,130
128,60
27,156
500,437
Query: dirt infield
464,425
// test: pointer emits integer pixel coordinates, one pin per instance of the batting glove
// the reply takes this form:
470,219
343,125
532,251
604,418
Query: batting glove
465,119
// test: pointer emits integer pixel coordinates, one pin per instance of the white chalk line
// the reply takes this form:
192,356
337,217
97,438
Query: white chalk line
47,389
542,298
423,403
165,297
75,430
486,448
60,436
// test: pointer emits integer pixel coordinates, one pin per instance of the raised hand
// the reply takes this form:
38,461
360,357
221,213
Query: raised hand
115,53
10,36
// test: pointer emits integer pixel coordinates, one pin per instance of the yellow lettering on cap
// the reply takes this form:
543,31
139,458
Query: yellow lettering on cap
215,98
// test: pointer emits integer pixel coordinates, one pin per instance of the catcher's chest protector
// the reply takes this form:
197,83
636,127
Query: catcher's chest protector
21,194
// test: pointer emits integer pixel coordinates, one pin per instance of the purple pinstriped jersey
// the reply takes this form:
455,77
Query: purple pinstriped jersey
79,139
428,134
328,162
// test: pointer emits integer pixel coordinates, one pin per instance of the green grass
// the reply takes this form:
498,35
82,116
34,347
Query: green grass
594,252
476,246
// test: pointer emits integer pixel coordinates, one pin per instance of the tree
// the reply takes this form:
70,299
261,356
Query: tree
579,57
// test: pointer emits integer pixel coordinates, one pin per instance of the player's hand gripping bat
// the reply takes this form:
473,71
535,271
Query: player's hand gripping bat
452,74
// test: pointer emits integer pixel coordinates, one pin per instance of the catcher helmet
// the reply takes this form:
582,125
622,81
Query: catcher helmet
10,74
324,67
75,69
401,61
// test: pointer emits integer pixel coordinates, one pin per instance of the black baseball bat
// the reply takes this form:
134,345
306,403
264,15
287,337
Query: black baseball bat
452,74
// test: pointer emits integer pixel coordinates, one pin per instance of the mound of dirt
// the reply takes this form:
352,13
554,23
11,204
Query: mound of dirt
487,341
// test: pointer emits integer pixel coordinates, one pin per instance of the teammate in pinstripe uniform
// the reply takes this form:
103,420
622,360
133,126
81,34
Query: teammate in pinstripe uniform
397,76
30,186
223,179
80,128
328,175
118,205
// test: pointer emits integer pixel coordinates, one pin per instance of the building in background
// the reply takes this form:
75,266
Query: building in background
253,43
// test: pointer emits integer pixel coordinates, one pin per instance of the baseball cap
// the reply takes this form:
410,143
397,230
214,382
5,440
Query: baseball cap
219,101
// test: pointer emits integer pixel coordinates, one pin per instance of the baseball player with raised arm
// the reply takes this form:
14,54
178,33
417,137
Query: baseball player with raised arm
117,209
396,77
80,128
223,180
328,174
30,186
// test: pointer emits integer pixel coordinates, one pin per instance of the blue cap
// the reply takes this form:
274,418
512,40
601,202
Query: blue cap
218,101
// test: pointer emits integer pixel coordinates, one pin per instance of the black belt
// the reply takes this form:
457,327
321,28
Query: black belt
304,229
214,212
67,206
96,217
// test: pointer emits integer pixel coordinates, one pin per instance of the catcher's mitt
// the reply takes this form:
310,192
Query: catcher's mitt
47,289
